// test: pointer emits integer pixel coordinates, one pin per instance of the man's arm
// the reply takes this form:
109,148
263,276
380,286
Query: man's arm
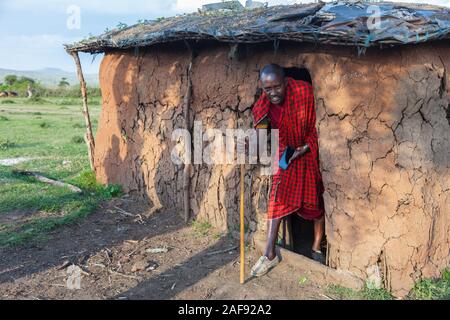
311,138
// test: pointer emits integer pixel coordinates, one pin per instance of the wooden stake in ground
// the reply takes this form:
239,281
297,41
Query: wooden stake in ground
242,264
187,166
89,136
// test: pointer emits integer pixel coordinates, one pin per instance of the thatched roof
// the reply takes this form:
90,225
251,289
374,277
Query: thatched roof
337,23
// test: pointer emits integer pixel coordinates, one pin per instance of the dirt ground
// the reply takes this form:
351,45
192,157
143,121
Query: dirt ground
112,246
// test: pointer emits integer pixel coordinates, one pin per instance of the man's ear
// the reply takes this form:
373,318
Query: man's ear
286,81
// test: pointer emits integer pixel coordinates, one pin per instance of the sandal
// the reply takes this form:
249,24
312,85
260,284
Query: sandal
263,266
318,256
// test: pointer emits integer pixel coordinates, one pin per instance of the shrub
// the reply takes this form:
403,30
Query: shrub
77,139
88,182
94,102
37,100
8,102
6,144
44,125
68,102
432,289
111,191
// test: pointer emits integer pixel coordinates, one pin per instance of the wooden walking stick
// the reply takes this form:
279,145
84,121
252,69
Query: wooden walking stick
242,275
240,124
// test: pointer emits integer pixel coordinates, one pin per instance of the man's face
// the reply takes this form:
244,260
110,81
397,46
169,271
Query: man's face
275,88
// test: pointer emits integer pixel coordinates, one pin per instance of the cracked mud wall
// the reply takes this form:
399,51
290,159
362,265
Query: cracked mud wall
383,135
385,146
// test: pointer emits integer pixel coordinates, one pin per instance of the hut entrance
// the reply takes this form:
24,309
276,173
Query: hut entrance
296,233
298,74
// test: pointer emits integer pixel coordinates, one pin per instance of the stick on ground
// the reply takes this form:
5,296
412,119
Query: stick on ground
49,181
221,251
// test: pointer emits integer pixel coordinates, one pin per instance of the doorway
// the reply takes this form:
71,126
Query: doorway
297,234
298,74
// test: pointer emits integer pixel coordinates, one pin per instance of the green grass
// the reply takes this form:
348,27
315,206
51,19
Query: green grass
201,228
36,101
426,289
302,280
77,139
6,144
343,293
44,125
432,289
50,143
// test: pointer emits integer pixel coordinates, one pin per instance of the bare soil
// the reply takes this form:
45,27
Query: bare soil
111,248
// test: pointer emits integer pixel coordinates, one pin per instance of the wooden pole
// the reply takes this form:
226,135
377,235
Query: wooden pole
89,136
188,165
242,222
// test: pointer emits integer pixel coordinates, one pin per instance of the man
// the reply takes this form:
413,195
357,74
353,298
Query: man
298,189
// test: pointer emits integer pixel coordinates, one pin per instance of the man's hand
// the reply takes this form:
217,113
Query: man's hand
299,152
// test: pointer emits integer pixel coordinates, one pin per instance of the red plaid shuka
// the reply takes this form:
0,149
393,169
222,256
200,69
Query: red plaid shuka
300,187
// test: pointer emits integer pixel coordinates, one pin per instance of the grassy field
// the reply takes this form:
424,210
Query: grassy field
49,133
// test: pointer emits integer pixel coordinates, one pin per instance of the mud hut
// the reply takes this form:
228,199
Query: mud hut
382,98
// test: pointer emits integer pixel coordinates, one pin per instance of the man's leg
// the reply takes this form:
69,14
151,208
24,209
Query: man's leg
269,260
274,225
319,230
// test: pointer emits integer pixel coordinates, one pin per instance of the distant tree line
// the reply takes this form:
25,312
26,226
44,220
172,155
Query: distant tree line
27,87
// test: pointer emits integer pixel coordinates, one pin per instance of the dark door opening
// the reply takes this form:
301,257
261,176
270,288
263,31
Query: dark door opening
297,235
298,74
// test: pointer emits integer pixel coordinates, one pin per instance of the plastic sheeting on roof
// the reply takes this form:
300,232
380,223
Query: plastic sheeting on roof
355,23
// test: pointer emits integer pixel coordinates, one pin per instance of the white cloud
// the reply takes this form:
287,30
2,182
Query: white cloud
158,7
435,2
192,5
183,6
91,6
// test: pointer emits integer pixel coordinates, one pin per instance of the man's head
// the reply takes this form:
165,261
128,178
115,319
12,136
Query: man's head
273,82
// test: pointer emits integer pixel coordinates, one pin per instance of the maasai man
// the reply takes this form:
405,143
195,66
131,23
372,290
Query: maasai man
289,106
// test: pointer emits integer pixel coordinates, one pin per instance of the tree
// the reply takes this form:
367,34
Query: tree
10,79
63,83
26,80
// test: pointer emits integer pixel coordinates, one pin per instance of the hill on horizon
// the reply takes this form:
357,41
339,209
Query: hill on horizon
50,76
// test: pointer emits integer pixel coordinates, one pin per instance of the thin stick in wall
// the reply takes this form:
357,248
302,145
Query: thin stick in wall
89,136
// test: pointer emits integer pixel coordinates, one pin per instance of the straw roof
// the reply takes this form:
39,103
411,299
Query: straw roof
351,23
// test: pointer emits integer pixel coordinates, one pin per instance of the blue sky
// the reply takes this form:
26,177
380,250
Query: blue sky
33,31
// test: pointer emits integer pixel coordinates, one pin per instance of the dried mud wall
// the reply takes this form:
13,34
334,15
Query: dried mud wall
383,135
